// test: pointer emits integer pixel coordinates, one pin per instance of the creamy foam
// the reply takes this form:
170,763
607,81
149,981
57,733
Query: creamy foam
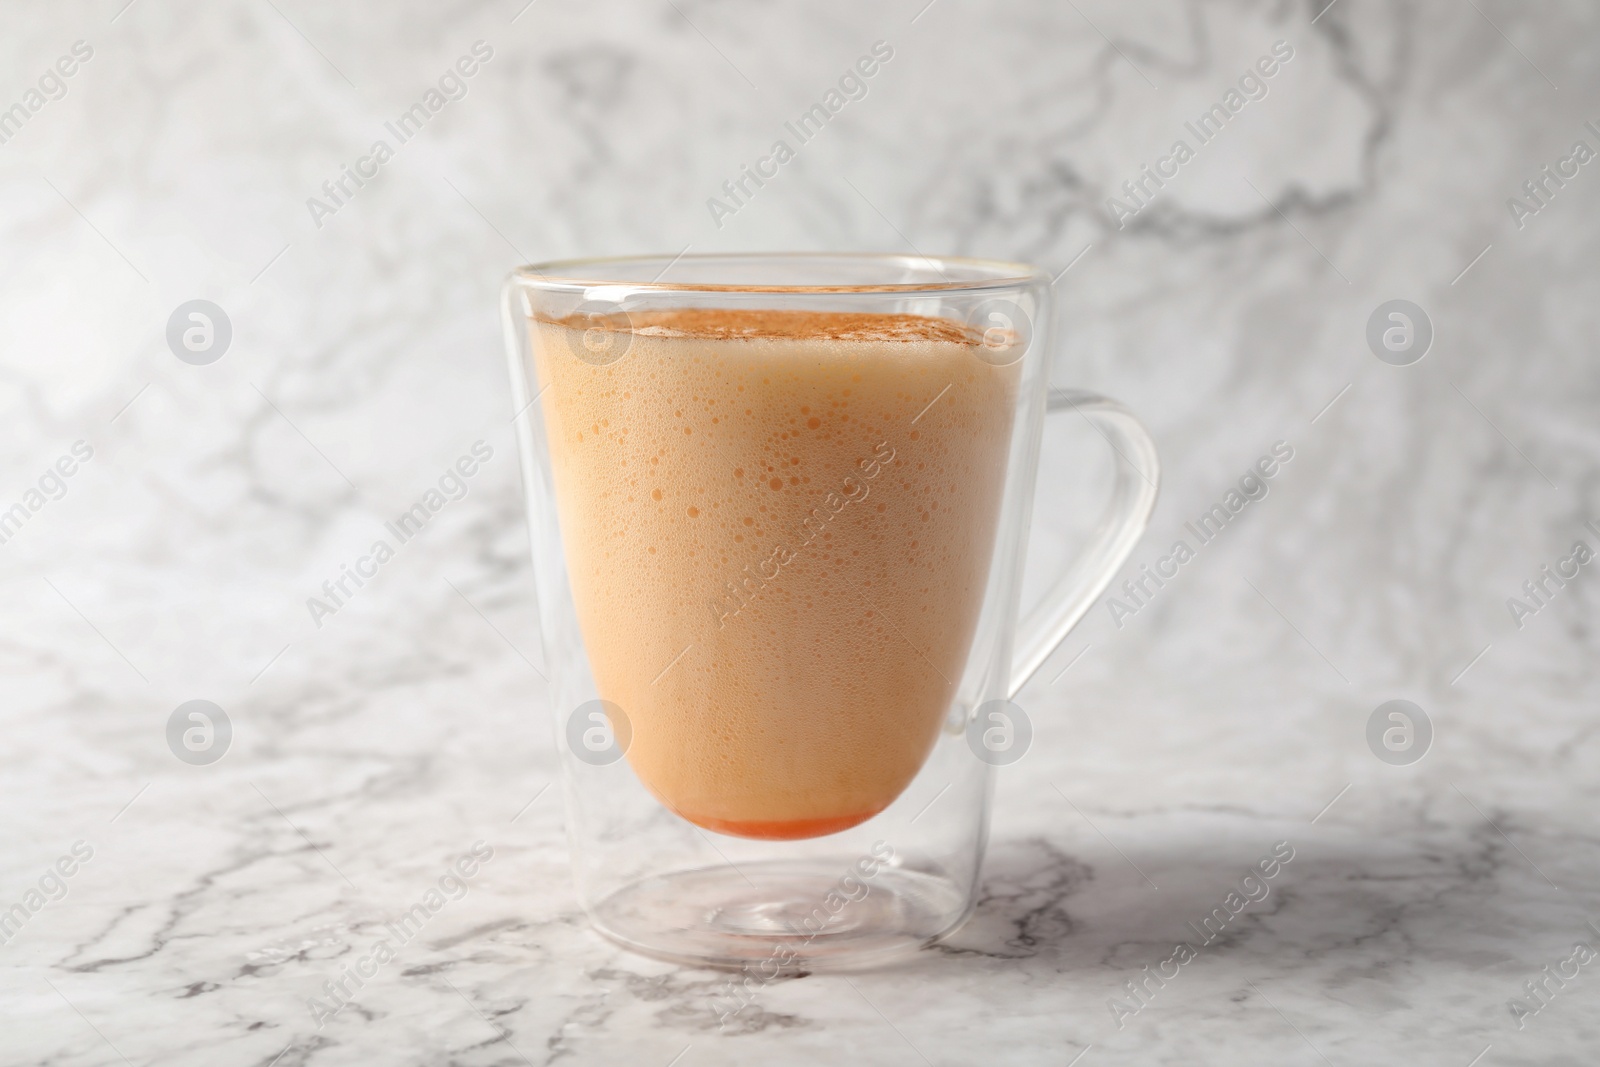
778,528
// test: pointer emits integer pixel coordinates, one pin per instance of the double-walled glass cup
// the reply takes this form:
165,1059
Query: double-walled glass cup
779,508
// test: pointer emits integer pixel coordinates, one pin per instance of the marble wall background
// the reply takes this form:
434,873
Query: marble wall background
365,357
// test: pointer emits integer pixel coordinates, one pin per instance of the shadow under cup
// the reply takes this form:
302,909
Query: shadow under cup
778,508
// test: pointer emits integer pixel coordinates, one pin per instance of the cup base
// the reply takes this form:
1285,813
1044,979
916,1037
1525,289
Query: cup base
783,917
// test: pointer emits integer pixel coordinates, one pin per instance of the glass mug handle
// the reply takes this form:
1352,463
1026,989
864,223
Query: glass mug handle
1122,523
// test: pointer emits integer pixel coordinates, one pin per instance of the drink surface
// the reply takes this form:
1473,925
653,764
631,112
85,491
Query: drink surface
778,529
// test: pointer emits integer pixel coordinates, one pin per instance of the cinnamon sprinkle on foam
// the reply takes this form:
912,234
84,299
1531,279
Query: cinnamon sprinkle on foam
741,323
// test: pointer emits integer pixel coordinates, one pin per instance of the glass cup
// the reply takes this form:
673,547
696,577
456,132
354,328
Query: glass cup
779,508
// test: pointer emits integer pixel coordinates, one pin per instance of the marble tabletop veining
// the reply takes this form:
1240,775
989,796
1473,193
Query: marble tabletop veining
191,914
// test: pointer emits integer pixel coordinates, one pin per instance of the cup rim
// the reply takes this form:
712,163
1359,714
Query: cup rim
582,274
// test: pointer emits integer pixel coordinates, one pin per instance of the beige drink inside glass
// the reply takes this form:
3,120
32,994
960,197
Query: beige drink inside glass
778,528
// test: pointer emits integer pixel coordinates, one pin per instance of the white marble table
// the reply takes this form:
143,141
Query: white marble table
207,904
